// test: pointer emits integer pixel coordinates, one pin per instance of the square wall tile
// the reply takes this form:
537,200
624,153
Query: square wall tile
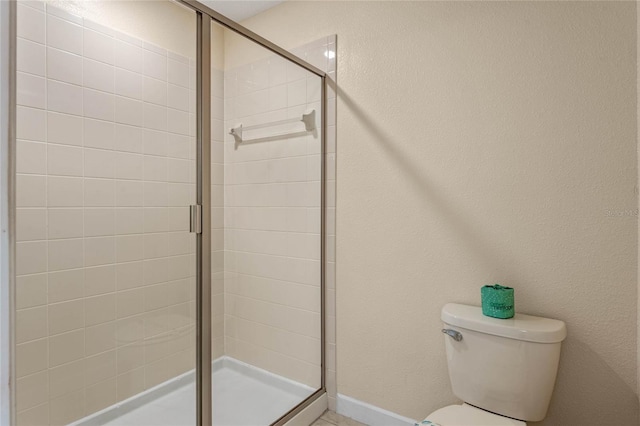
64,129
130,383
99,46
38,415
98,134
177,121
32,390
31,90
178,73
155,117
31,257
66,378
99,105
100,280
65,254
129,221
99,222
63,97
129,138
99,163
154,91
64,191
31,324
64,66
100,338
178,97
100,367
64,35
65,223
129,275
31,224
31,24
129,248
128,56
129,166
155,142
30,124
31,191
129,111
31,291
99,251
64,160
155,65
31,357
129,193
128,84
31,157
101,395
66,285
99,193
99,76
100,309
66,408
66,316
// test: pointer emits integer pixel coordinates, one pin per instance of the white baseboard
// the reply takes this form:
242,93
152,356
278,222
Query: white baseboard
370,414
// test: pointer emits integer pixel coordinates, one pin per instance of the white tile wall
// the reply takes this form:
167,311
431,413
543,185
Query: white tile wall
105,266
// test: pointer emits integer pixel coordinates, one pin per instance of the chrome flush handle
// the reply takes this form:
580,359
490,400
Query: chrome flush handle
456,335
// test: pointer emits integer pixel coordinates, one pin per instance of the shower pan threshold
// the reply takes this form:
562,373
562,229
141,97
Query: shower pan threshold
243,395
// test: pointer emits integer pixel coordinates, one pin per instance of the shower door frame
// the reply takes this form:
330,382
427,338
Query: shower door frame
205,16
8,108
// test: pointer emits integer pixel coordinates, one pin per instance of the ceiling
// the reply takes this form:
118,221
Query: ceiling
238,10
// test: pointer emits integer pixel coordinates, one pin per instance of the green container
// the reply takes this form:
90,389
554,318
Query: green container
497,301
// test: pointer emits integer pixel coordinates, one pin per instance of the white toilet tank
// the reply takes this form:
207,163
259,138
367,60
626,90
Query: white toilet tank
507,366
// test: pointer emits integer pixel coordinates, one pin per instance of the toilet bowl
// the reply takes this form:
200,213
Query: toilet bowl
467,415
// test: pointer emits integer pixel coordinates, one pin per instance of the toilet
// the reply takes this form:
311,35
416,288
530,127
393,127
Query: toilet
503,369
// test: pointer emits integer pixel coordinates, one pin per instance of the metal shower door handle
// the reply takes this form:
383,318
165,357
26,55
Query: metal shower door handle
195,219
456,335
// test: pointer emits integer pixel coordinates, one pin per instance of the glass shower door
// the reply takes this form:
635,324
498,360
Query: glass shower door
266,204
106,171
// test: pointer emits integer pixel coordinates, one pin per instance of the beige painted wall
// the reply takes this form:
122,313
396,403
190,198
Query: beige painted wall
480,143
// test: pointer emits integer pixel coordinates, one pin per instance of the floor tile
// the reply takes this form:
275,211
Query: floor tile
333,418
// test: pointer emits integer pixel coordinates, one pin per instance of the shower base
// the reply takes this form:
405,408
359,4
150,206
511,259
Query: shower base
243,395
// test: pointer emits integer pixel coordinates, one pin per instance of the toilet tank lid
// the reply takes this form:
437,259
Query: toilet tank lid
521,327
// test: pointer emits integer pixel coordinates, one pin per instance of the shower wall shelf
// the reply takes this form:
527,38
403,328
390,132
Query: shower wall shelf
309,120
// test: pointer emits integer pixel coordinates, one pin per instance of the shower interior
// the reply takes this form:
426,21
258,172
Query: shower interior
106,171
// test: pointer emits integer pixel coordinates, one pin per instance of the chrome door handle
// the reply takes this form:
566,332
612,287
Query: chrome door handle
456,335
195,216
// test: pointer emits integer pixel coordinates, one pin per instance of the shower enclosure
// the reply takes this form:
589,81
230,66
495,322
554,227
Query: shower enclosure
169,218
